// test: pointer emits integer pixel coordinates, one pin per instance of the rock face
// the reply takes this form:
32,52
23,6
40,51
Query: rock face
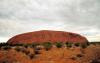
47,36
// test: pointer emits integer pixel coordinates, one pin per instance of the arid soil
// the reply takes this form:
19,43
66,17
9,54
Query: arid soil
39,54
47,36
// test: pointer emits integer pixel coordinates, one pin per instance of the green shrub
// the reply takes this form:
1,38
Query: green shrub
77,44
6,47
47,45
4,44
26,45
18,44
68,44
34,45
59,44
83,46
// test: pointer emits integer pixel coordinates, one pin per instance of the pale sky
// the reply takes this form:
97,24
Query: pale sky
78,16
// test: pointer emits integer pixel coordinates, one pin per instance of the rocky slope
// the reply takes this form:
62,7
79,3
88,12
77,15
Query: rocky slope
47,36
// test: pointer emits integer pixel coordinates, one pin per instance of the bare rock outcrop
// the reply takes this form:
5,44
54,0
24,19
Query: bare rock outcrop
47,36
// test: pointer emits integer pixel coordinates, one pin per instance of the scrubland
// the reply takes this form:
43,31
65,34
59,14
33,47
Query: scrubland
50,53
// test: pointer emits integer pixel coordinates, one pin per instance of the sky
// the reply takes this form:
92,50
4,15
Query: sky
78,16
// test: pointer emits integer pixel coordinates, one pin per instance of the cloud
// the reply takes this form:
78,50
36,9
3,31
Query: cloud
19,16
12,27
4,39
9,27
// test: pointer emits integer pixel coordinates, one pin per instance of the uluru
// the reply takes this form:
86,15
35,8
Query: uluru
47,36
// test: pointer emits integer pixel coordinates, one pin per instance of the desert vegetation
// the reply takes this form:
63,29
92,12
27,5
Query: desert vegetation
50,52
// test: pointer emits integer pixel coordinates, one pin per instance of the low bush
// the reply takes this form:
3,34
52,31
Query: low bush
36,52
77,44
84,46
27,52
6,47
17,49
31,56
59,44
68,44
79,55
47,45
